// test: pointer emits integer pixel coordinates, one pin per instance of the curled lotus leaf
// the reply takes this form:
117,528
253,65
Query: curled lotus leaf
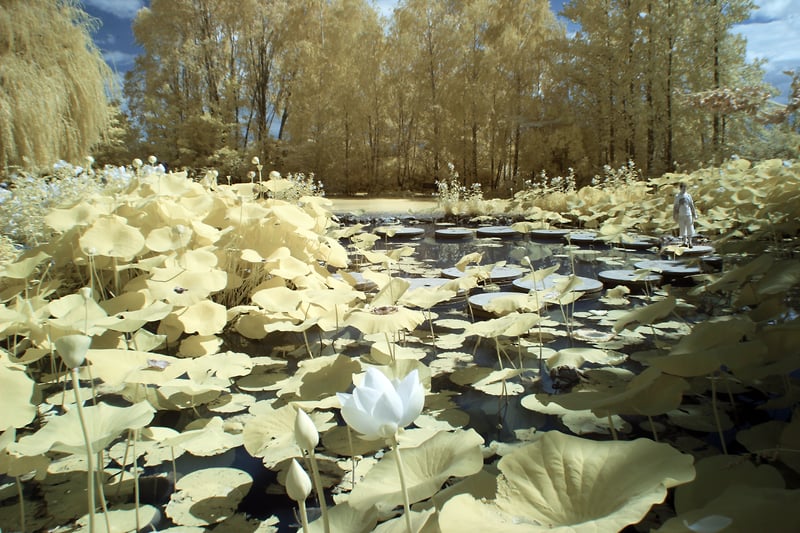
426,467
104,424
553,481
23,267
321,377
116,367
385,319
343,517
647,315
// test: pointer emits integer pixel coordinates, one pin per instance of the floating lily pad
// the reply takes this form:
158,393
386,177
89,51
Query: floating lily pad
576,283
453,233
629,277
496,274
552,234
399,232
497,231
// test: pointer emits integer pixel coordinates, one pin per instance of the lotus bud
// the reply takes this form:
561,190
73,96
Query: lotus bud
152,160
73,349
90,160
86,292
256,160
305,432
137,163
298,484
526,261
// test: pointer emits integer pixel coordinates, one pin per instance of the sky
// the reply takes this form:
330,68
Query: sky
772,32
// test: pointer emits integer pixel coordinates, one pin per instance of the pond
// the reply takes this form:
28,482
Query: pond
586,314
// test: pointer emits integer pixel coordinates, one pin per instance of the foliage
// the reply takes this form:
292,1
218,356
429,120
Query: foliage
496,88
53,84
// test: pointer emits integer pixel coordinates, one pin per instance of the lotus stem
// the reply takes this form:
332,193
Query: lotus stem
716,414
323,506
21,504
89,457
136,492
303,515
653,428
614,434
352,452
102,490
403,488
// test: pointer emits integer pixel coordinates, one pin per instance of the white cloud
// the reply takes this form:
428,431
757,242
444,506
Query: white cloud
774,9
774,35
119,60
124,9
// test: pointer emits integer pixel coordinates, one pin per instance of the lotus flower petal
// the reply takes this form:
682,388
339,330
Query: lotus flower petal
379,406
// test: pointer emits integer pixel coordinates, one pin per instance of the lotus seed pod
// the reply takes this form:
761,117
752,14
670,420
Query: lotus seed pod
274,175
152,160
305,432
73,349
256,160
298,484
137,163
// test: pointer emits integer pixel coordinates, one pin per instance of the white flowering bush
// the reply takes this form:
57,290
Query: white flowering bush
28,197
455,198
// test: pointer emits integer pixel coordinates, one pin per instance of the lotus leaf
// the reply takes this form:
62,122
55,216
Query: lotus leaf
208,496
18,408
723,471
199,345
205,437
420,521
386,319
121,519
343,517
426,468
270,433
104,424
320,377
580,422
553,481
204,318
743,508
648,314
111,236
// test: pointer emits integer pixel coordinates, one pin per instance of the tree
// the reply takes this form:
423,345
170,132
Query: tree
54,84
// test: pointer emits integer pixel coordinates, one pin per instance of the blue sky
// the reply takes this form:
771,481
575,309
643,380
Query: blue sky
772,32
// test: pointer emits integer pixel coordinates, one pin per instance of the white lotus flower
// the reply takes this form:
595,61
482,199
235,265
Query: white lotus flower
379,407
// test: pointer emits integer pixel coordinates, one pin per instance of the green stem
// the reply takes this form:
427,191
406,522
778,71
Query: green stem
89,456
613,428
21,504
303,515
323,506
716,414
403,488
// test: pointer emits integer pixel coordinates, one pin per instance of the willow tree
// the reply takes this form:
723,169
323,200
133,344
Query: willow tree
54,83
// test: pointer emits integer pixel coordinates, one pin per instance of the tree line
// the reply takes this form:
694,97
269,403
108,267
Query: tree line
497,92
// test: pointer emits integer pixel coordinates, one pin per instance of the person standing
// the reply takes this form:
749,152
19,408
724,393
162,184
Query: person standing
684,213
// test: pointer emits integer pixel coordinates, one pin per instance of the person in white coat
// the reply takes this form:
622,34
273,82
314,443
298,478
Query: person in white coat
684,213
